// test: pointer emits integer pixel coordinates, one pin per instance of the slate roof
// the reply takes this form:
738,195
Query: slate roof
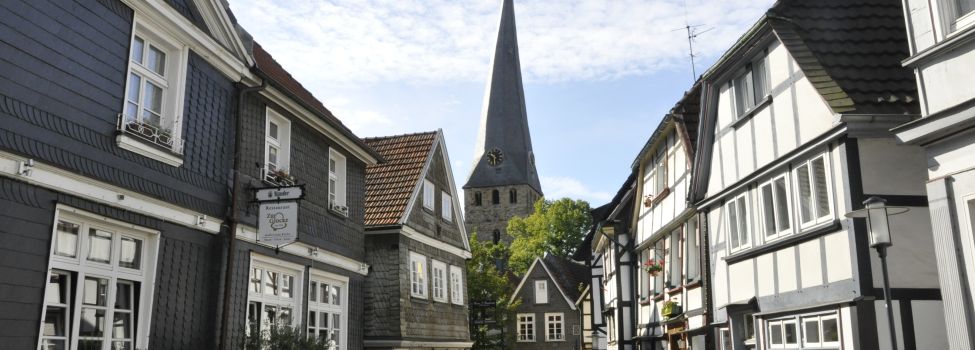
389,185
271,69
685,112
568,274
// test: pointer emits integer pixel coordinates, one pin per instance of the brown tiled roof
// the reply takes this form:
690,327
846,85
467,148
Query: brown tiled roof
389,185
266,65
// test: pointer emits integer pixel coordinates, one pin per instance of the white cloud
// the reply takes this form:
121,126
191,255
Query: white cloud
356,42
561,186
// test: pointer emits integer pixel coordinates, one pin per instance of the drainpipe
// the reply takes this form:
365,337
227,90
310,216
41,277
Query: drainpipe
702,226
234,214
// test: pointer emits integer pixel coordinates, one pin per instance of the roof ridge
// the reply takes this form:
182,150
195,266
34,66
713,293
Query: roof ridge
370,138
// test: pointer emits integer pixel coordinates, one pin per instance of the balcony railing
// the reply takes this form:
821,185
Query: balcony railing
277,178
152,134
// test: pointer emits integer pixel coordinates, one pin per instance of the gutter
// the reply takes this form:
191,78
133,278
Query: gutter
234,209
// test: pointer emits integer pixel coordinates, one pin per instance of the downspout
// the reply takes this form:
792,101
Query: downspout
702,225
234,212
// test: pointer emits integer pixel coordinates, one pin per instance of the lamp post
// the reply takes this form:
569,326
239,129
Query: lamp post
876,211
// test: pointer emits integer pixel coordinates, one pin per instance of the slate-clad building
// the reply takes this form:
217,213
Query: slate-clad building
549,315
116,137
416,247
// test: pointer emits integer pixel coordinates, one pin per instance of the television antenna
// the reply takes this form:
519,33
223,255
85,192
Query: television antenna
692,33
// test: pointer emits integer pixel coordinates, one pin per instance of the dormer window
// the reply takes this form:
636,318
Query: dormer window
429,193
750,86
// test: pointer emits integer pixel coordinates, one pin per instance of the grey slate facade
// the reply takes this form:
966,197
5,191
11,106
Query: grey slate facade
565,282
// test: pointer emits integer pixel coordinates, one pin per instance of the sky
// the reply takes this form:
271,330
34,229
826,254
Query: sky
599,74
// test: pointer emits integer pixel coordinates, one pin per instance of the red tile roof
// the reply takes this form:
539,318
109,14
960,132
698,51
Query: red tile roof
282,79
389,185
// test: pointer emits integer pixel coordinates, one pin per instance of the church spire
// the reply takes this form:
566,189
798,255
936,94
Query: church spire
503,152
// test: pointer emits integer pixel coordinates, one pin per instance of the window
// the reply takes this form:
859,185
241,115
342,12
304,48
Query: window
660,172
439,272
554,327
813,192
676,259
738,223
783,334
725,339
644,278
272,294
327,310
277,149
658,281
154,93
775,208
820,331
418,275
958,13
495,197
526,327
513,196
748,320
429,193
751,86
446,206
541,292
100,276
336,181
456,285
477,199
693,246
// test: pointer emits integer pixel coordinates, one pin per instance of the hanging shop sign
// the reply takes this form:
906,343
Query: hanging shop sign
280,193
278,223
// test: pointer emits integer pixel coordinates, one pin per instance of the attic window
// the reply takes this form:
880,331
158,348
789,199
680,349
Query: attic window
751,86
495,197
429,191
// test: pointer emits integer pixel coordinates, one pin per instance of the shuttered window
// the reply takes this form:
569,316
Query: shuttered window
812,191
775,208
738,234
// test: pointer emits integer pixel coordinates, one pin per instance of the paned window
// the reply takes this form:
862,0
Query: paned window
660,172
693,246
959,13
738,234
775,208
327,309
526,327
675,258
513,196
337,181
277,148
783,334
272,294
751,86
446,206
820,331
456,286
439,272
477,199
812,189
418,275
541,292
814,331
554,327
153,96
429,193
100,276
658,282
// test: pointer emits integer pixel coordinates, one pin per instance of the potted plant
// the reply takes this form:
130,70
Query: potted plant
653,267
670,309
648,201
281,176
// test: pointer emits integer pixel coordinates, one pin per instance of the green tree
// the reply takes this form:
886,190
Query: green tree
557,227
485,283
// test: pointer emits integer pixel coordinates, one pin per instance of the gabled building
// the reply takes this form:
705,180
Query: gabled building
670,285
549,314
941,54
416,247
613,267
795,121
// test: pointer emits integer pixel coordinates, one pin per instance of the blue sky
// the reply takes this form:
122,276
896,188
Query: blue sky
599,74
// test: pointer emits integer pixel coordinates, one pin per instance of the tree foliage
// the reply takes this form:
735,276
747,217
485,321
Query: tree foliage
557,227
486,283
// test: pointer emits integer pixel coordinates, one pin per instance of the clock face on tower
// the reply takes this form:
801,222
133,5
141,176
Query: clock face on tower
494,157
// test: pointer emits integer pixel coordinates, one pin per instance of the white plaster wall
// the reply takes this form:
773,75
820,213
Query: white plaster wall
718,240
815,117
695,298
764,149
911,260
929,324
948,80
810,264
778,63
785,269
742,280
744,152
889,168
839,264
766,271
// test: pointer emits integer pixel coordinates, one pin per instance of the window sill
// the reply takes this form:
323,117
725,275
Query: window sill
340,213
675,290
660,196
752,112
957,38
134,145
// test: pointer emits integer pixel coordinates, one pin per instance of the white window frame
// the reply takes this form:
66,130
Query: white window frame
456,285
429,192
817,218
782,323
418,275
952,19
526,328
263,299
554,330
692,257
446,206
282,143
818,319
741,223
775,206
746,85
541,294
332,307
173,85
438,272
674,252
111,271
337,185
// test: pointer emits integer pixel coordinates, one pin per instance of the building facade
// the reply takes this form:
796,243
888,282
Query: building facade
503,182
795,119
614,265
416,246
549,316
940,52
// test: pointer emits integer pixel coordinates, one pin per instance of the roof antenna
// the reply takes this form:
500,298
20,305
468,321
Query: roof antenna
692,34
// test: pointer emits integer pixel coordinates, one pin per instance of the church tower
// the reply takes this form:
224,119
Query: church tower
503,182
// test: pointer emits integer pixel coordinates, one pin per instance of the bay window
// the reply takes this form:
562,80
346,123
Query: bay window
101,273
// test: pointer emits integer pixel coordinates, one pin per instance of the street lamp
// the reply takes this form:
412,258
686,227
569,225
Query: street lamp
877,212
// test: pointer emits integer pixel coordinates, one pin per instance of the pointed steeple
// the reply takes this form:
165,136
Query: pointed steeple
503,151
